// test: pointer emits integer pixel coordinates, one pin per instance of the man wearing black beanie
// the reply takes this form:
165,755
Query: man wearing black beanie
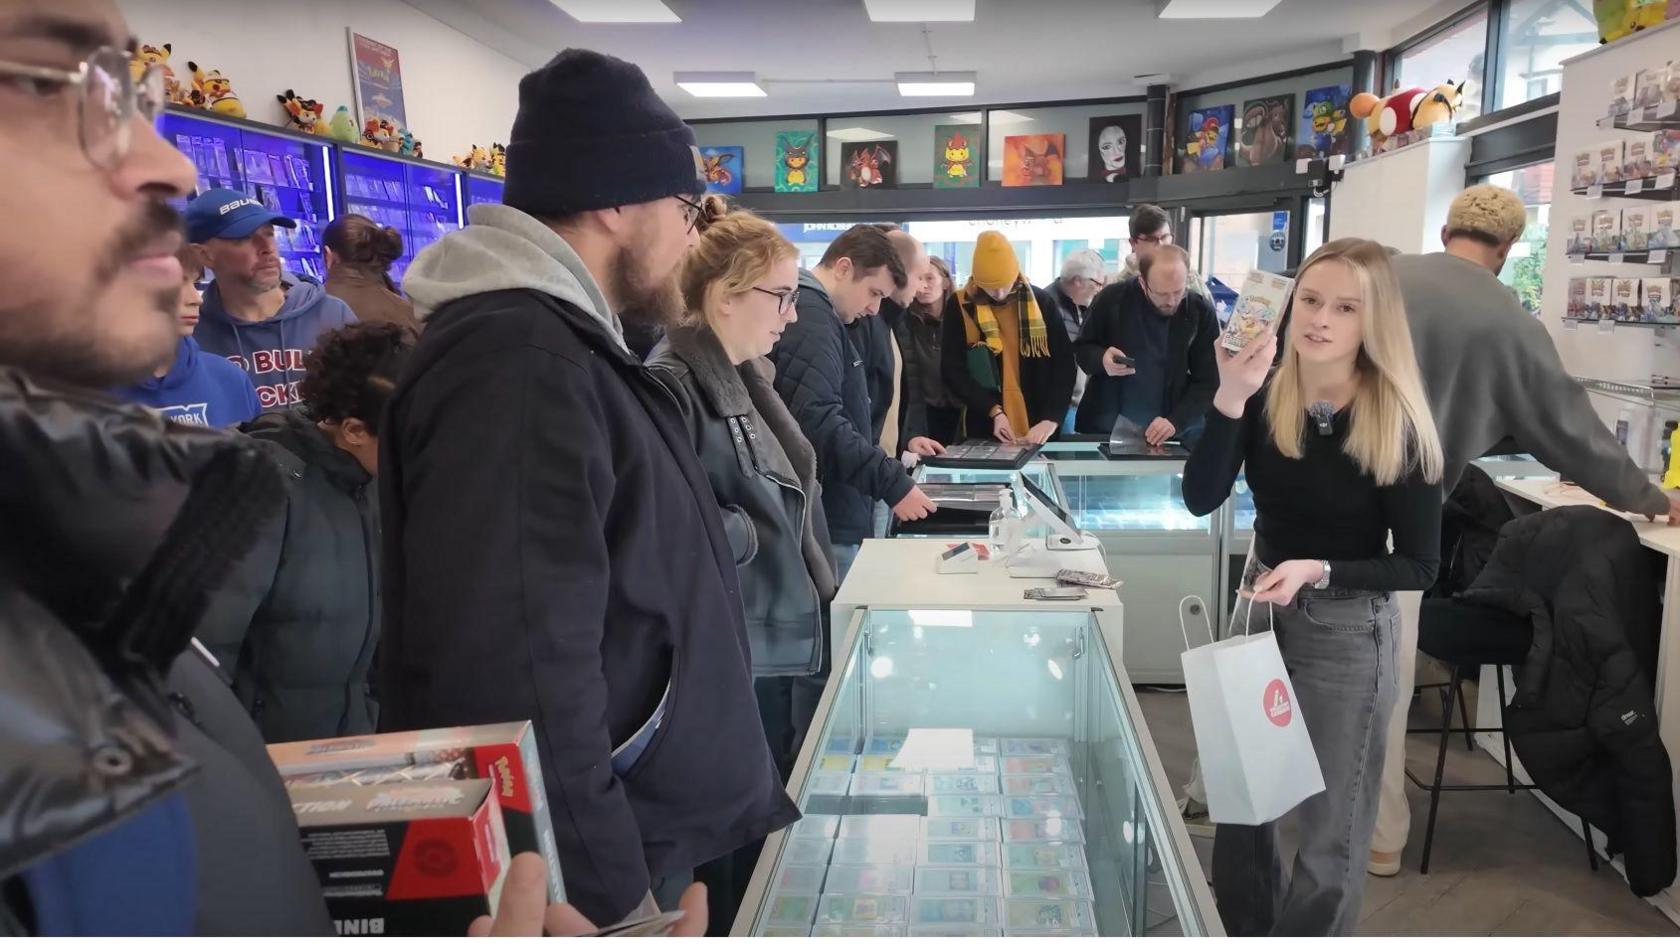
552,548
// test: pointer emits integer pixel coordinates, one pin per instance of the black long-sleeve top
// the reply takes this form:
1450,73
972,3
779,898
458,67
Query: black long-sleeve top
1320,506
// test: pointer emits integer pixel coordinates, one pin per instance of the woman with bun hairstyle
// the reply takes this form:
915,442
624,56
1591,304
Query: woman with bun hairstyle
359,254
740,285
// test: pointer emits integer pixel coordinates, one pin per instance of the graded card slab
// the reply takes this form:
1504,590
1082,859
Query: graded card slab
807,852
1040,764
960,829
986,745
1042,830
863,909
1046,914
816,826
954,930
877,851
932,881
983,764
961,783
959,853
888,785
800,880
1047,883
871,880
1039,785
981,910
1045,855
830,783
1018,747
875,764
1042,807
787,930
791,909
842,763
960,805
884,745
887,826
840,744
858,930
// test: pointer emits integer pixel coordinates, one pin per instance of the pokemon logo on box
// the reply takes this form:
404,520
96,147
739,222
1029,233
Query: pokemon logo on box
1584,171
1665,218
1612,162
1636,228
1598,297
1625,304
1580,236
1607,231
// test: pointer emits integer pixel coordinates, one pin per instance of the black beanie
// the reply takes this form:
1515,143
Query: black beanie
591,134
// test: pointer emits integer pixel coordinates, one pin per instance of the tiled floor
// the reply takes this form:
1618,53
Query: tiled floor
1501,864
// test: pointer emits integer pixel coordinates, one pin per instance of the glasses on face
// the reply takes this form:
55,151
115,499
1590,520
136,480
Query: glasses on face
691,212
1159,239
107,99
1165,299
785,298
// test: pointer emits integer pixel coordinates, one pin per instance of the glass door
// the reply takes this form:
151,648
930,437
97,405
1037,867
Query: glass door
1227,246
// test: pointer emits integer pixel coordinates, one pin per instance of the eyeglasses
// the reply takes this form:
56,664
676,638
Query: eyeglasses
785,299
1163,299
691,212
108,97
1162,239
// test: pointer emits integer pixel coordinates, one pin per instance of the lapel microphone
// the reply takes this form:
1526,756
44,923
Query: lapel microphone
1323,416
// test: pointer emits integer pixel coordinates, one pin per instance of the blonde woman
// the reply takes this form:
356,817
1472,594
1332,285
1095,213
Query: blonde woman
1341,451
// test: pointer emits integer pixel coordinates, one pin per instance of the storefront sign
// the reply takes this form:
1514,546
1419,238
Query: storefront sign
378,81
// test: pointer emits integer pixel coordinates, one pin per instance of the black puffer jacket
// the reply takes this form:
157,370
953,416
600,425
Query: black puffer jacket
1583,719
764,474
116,526
821,377
297,624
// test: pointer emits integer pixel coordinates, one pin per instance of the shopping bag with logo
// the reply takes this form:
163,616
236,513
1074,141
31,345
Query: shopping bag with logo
1257,759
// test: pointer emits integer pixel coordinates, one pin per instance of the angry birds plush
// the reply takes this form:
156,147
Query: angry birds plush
341,127
215,92
303,114
498,160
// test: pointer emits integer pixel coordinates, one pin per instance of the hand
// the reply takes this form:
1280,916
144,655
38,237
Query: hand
923,446
1002,431
1114,366
1159,431
1242,374
914,506
1284,581
523,910
1673,512
1042,431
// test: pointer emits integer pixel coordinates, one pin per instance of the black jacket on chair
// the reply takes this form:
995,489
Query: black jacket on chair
775,522
1583,719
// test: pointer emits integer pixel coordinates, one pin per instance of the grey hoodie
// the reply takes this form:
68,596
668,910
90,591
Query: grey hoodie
504,248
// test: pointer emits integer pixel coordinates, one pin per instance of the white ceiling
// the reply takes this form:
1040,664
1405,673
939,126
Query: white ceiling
827,56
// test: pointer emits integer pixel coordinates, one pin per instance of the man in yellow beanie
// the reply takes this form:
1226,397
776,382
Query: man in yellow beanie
1492,373
1010,366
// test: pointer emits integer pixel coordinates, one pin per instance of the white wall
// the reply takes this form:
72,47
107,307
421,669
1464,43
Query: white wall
457,90
1400,198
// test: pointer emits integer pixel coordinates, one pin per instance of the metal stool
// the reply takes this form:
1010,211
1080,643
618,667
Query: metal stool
1468,636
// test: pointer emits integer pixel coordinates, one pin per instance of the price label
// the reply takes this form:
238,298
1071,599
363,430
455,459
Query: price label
1665,181
1595,191
1616,258
1658,256
1635,186
1570,324
1607,326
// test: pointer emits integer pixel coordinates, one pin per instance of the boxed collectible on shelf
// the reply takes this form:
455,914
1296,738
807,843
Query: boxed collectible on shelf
1648,86
1598,297
1640,162
1665,151
1625,303
1584,170
1621,94
1612,162
1607,231
1661,300
1577,305
1580,236
1665,217
1636,228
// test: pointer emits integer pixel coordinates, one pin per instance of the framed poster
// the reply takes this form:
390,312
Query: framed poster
1267,131
866,165
1206,138
377,81
797,158
1114,147
725,168
956,156
1033,160
1324,122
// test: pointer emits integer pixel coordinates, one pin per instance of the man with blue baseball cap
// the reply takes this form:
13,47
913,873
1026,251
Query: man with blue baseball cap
255,314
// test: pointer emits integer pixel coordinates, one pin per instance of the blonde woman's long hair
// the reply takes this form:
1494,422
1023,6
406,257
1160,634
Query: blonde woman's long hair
736,249
1391,429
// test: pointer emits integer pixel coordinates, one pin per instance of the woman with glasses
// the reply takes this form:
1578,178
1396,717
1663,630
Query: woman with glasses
740,283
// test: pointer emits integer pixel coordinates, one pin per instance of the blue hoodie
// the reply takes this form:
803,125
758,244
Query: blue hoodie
271,352
198,391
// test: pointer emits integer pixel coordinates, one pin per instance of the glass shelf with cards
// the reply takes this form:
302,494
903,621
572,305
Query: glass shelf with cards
934,808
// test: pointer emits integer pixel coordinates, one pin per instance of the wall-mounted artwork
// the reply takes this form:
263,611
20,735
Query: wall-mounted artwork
1267,137
725,168
1207,136
797,159
1324,122
956,156
869,165
1033,160
1114,147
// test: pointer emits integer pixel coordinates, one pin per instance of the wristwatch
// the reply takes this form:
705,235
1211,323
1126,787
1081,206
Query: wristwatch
1324,581
994,413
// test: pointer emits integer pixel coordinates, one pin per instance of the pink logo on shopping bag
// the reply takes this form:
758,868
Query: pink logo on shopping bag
1278,709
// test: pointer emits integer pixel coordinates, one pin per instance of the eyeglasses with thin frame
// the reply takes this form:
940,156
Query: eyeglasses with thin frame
691,212
1162,298
1159,239
786,299
107,99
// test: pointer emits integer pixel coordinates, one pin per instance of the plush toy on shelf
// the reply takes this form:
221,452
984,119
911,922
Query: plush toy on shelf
477,158
498,160
148,55
342,127
215,92
408,144
1407,110
303,114
380,133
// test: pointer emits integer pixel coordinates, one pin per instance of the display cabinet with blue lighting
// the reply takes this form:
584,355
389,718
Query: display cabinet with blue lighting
483,190
421,201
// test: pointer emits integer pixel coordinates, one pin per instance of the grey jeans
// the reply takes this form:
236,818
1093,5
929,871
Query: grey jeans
1340,648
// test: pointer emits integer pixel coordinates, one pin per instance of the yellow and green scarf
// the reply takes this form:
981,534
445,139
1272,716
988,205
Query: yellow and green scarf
996,266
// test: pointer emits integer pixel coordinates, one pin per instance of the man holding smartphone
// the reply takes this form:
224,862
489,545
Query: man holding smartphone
1147,347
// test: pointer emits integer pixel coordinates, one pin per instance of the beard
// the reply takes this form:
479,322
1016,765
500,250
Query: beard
644,299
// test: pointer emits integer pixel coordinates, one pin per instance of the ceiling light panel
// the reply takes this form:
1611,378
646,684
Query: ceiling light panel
1214,9
919,84
720,84
858,134
920,11
617,11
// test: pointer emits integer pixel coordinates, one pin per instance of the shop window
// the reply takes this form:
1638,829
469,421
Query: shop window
1524,271
1456,54
1538,36
1040,244
1316,225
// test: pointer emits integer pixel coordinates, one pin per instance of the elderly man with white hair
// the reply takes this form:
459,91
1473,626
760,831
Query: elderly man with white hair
1083,276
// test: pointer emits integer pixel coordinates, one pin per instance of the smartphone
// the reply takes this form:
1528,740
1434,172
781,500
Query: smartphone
1124,361
657,926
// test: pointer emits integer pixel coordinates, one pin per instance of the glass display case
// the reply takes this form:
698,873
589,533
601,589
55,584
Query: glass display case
935,808
285,173
421,201
967,498
483,190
